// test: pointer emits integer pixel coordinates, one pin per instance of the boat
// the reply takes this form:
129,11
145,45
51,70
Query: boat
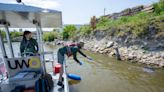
20,72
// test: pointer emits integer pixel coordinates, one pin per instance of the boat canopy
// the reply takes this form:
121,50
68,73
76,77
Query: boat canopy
24,16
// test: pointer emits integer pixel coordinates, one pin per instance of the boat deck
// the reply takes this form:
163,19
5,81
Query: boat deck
56,88
5,86
8,85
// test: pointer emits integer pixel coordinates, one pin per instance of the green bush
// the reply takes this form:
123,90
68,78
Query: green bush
65,35
85,30
14,34
3,34
50,36
103,23
69,32
159,7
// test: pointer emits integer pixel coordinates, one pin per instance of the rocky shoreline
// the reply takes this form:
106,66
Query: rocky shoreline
136,50
133,53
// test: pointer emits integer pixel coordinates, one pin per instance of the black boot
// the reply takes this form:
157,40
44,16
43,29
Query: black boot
60,83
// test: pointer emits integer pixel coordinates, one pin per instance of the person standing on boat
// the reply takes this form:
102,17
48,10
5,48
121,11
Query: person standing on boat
28,46
69,50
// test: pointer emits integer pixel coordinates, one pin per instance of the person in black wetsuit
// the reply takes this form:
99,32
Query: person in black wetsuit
69,51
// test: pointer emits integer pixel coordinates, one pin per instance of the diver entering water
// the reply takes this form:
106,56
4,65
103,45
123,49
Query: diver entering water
70,50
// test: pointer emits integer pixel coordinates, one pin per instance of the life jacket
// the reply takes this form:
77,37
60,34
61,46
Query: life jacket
68,46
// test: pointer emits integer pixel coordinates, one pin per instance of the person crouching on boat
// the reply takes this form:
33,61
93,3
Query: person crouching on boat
28,46
69,51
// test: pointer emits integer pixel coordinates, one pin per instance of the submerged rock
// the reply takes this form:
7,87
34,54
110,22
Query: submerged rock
148,69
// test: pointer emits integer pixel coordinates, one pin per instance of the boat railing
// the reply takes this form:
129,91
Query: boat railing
66,88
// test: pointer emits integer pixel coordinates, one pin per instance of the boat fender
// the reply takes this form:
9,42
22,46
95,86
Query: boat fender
74,76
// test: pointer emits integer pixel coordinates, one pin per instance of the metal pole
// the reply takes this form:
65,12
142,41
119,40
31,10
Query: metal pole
41,41
39,35
42,49
104,11
9,40
2,46
38,38
66,89
117,54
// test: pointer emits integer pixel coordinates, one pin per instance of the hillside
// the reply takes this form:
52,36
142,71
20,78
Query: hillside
139,36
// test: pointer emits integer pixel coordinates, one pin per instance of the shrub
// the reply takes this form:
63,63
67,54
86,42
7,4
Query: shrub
103,23
50,36
159,7
14,34
85,30
3,34
69,31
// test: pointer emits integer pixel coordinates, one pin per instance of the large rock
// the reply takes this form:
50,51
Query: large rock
132,56
162,55
109,44
108,50
160,45
161,64
102,47
96,46
112,53
157,55
144,56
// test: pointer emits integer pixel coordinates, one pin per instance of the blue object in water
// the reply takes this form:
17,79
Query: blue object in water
74,76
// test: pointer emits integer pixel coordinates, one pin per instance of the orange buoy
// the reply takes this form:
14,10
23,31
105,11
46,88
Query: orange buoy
56,68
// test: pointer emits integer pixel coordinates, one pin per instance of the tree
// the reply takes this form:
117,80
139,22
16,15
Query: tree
93,22
69,31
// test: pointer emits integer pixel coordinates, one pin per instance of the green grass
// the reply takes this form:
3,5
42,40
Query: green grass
136,25
85,30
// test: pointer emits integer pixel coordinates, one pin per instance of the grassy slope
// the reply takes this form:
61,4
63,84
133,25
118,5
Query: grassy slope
137,25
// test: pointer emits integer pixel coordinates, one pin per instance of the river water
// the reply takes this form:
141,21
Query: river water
106,74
